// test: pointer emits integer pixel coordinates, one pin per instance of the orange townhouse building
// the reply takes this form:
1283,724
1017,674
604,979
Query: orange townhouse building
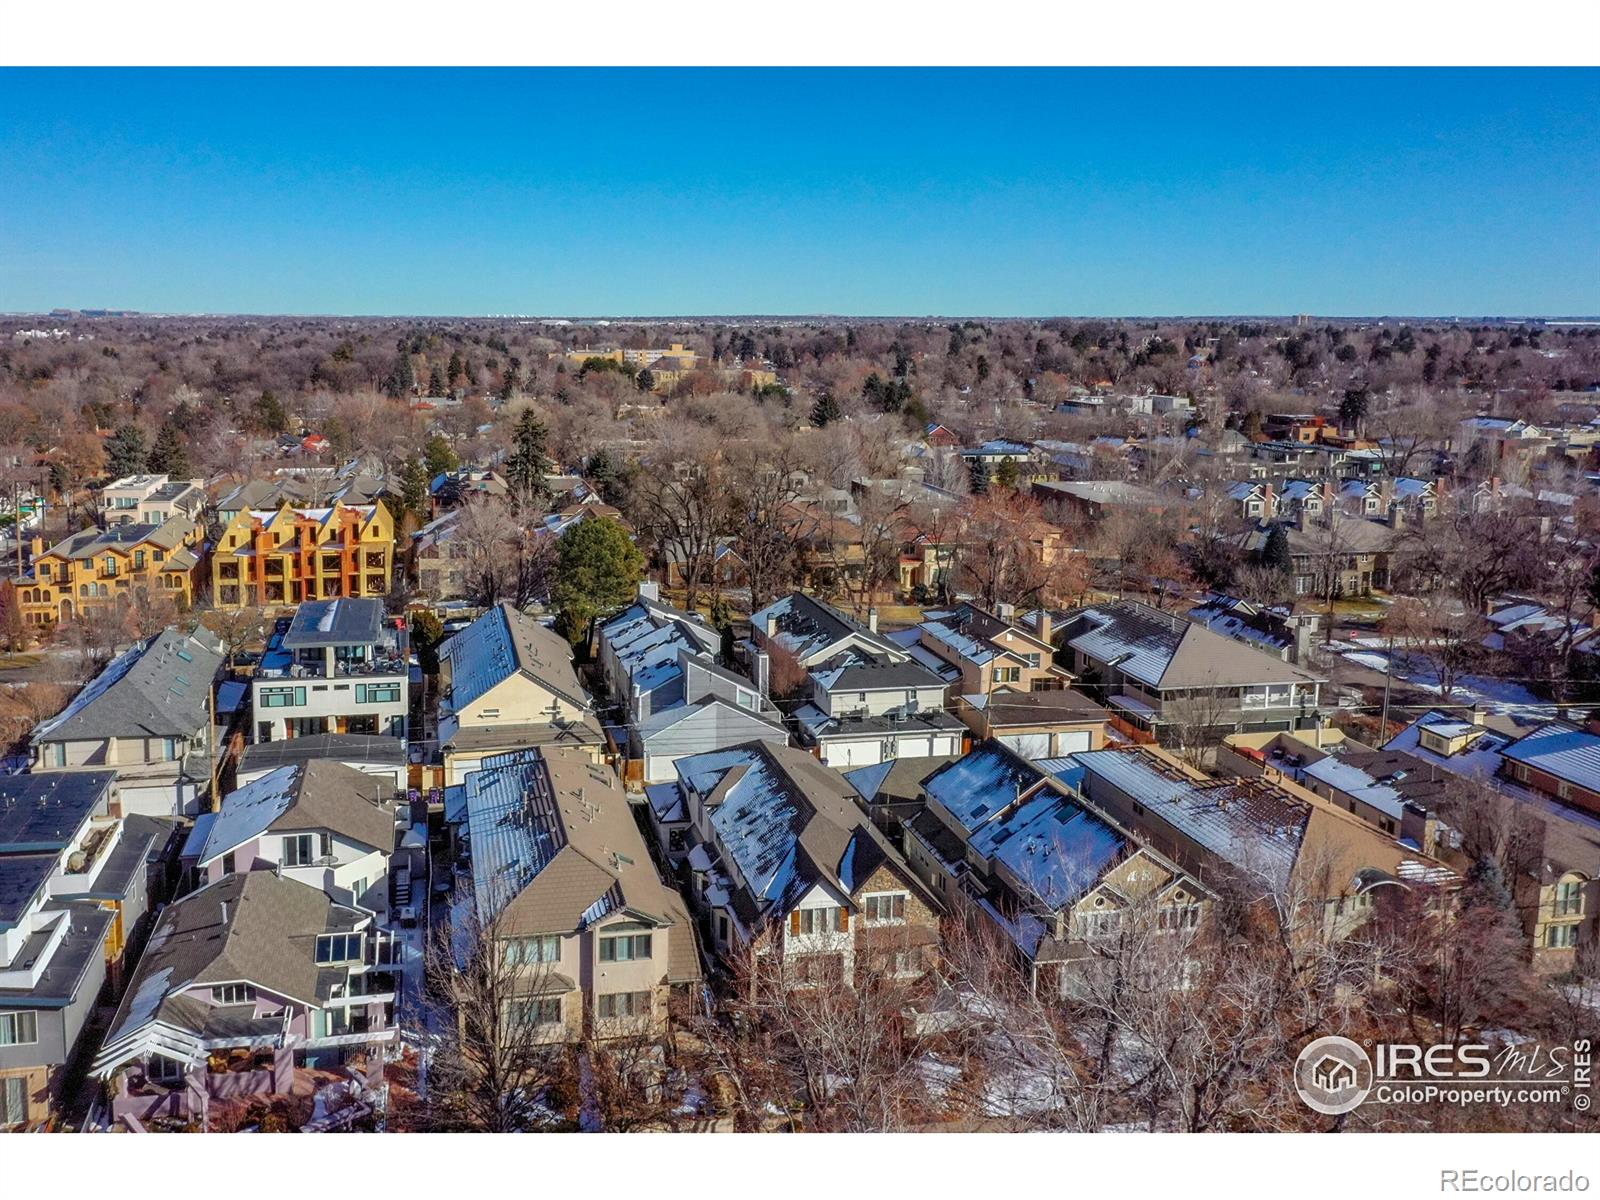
294,554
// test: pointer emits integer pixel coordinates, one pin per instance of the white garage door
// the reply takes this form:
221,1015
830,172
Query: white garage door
1071,743
1029,745
913,747
843,755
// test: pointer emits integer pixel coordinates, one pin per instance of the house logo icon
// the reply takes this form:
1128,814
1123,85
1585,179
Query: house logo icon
1333,1075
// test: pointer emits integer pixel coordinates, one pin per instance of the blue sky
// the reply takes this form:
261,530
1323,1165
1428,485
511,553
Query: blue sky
586,192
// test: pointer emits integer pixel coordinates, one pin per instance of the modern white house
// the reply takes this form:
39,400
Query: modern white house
339,667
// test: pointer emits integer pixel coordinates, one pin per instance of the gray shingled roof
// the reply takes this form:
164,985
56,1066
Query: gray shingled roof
159,688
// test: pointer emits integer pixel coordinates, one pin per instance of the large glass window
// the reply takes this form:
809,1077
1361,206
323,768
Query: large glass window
339,947
299,850
282,697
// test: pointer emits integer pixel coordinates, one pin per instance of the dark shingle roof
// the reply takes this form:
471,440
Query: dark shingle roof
159,688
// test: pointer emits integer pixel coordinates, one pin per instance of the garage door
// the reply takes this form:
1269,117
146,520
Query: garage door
913,747
1071,743
1029,745
843,755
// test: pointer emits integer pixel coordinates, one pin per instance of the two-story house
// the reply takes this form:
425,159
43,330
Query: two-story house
73,896
661,670
867,699
1270,835
289,555
786,862
246,982
337,667
1554,861
508,683
564,890
1003,836
1159,671
148,717
96,568
323,823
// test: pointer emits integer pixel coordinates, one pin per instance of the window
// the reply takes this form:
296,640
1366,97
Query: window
299,850
338,947
1007,674
377,693
537,1011
19,1028
1179,916
1098,924
1561,937
163,1069
138,560
282,697
545,948
890,907
1569,897
233,993
625,949
332,1022
818,920
722,929
623,1004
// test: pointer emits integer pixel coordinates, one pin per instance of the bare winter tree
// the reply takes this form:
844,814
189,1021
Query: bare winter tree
495,1053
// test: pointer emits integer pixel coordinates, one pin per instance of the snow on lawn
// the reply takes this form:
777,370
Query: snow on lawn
1495,695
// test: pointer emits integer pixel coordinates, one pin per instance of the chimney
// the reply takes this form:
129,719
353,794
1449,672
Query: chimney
772,625
649,589
1477,715
1043,627
763,673
224,912
872,619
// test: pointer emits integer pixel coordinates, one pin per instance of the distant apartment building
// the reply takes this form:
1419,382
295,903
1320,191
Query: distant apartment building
150,500
291,555
340,667
97,568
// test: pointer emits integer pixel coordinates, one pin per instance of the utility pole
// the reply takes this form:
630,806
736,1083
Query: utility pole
1388,680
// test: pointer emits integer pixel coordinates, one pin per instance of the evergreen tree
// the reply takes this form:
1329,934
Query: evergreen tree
267,415
170,454
439,457
1275,551
427,632
436,384
646,380
978,477
825,411
510,383
598,569
456,372
401,378
125,452
604,473
414,480
1353,408
1007,475
529,461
